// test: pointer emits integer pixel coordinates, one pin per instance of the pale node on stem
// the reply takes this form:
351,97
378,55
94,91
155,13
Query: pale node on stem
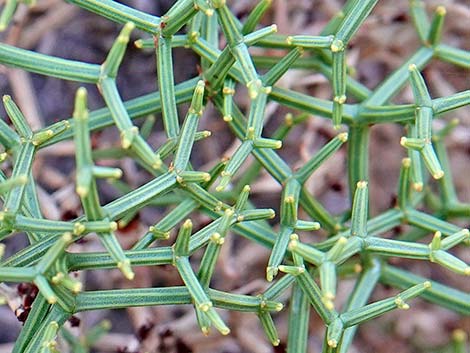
343,137
332,343
361,184
401,304
459,335
441,10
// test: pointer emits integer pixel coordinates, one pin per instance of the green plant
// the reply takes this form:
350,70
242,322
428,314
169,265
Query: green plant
356,247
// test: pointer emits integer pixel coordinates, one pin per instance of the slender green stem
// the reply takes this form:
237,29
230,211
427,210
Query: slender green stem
120,13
